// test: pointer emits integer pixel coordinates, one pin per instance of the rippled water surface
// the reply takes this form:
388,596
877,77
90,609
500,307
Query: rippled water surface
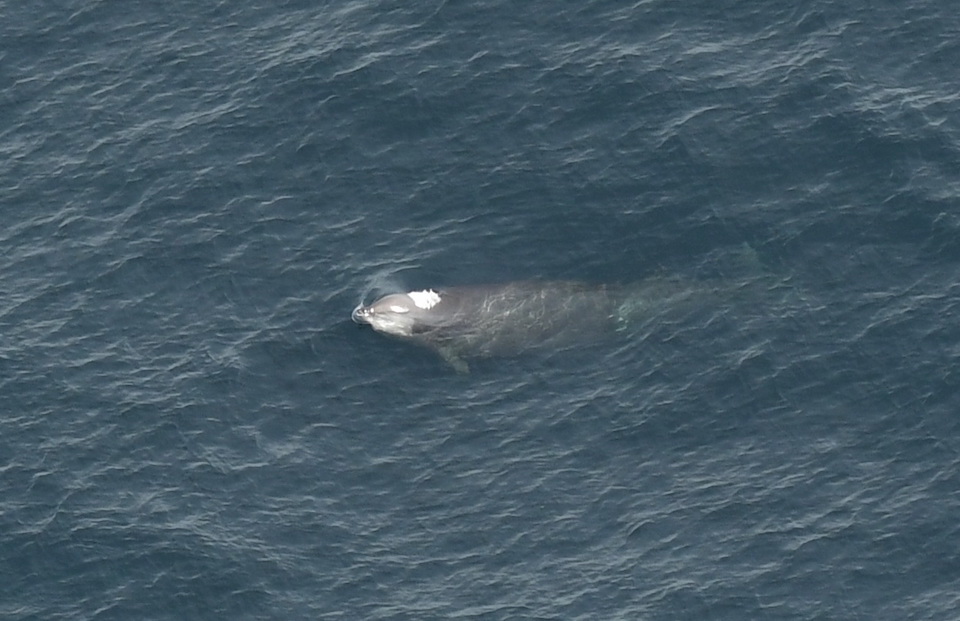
196,195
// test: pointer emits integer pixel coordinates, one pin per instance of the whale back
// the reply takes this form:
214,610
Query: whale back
497,320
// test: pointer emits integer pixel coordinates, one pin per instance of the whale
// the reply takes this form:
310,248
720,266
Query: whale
478,321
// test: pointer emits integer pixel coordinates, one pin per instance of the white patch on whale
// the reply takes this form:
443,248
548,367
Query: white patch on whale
426,299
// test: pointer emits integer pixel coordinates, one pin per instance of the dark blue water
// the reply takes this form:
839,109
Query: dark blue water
195,195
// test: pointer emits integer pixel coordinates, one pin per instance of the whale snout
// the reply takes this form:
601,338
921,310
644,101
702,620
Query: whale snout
360,314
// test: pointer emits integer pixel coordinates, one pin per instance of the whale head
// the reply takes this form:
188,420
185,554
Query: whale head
397,314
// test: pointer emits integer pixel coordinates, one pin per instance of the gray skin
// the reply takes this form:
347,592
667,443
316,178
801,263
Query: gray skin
497,320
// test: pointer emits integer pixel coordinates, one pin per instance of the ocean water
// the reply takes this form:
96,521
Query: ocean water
195,195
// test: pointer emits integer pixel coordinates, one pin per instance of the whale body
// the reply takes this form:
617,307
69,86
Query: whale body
503,319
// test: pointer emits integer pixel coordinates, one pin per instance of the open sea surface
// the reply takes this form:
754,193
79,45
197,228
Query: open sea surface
195,195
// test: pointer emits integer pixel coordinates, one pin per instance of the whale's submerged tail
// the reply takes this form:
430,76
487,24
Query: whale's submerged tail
655,296
739,276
